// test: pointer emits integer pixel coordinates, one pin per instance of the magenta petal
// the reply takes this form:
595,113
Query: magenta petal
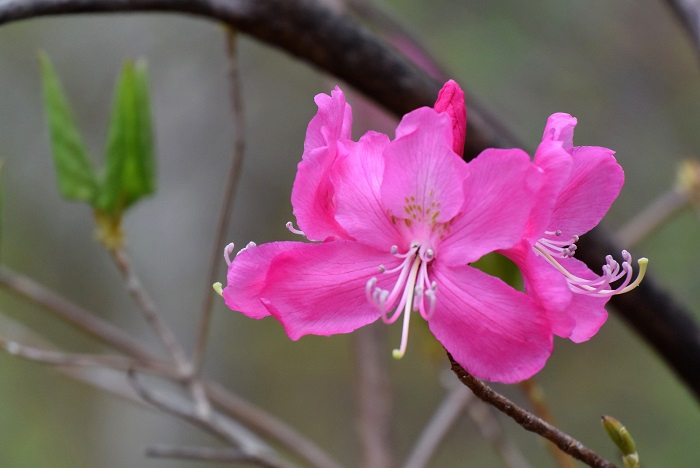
319,289
499,193
357,179
332,122
450,100
246,277
312,194
555,164
560,127
495,332
423,176
595,181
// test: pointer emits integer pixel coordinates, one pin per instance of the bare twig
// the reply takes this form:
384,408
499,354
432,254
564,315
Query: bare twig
233,177
492,431
652,217
210,423
447,414
138,293
208,454
230,404
266,425
373,397
535,395
72,313
57,358
457,400
529,421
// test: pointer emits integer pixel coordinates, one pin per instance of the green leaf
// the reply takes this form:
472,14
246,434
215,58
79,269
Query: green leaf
130,162
75,174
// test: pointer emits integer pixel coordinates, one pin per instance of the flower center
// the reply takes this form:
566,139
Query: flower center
551,249
413,290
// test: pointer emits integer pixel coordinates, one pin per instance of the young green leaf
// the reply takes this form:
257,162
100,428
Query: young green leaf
75,174
130,162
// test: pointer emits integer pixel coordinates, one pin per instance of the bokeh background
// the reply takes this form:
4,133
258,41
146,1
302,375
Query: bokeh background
624,68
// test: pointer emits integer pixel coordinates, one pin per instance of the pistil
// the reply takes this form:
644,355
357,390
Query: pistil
412,291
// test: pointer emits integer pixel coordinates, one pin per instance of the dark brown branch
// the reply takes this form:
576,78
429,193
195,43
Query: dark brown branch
339,45
529,421
653,313
688,13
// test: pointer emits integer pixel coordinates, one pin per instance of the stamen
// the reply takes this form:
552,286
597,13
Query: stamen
557,248
294,230
227,253
218,288
612,272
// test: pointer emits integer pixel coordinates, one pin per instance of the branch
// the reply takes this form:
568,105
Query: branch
233,177
256,419
529,421
688,14
211,423
337,44
208,454
138,293
80,318
374,397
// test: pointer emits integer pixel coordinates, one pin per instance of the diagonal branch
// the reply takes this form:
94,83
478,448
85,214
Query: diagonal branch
688,13
529,421
336,43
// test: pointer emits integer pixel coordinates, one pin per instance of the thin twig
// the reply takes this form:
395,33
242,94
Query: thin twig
230,404
652,217
207,454
72,313
140,296
161,329
457,400
374,397
266,425
444,418
529,421
59,358
535,395
492,431
234,175
209,423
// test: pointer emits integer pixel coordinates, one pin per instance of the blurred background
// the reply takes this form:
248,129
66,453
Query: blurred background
623,68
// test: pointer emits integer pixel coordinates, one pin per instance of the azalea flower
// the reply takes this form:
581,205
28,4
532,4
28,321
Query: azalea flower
580,185
396,224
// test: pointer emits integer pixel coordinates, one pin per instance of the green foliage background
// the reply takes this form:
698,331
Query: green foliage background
623,68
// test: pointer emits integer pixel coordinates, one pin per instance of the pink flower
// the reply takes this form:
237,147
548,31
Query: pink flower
580,185
400,221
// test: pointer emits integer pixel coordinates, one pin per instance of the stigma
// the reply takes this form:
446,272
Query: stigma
613,271
412,291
